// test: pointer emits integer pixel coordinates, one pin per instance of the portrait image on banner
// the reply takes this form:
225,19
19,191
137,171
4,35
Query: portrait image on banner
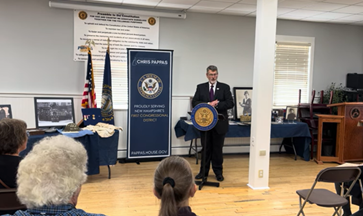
149,113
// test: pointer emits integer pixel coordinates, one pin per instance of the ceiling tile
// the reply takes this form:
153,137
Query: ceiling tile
177,4
295,4
241,13
303,13
316,19
290,17
209,6
241,8
143,3
281,11
350,9
339,21
353,18
322,6
229,1
254,2
331,15
348,2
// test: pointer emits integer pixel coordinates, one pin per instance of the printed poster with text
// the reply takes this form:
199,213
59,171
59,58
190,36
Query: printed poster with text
149,113
124,31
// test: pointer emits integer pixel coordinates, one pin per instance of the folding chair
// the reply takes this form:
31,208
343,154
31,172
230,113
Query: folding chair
9,202
324,197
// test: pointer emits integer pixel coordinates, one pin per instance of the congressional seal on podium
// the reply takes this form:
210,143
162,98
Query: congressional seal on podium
204,117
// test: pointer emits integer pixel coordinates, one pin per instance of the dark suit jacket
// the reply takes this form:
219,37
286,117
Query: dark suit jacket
223,95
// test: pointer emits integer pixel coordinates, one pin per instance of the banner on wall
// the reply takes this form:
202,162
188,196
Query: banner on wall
124,31
149,113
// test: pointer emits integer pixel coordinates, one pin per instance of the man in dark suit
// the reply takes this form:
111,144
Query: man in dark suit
219,96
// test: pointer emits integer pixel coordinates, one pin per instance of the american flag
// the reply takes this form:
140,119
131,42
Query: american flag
89,94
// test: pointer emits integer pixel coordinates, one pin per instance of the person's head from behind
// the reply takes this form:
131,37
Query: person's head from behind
291,110
173,184
52,173
212,74
13,136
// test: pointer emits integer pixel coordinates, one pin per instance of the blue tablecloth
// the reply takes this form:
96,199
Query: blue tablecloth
100,151
298,131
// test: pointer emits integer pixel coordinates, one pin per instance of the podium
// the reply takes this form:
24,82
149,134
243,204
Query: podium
349,137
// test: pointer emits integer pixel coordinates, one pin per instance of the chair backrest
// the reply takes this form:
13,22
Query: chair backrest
339,174
9,200
321,97
331,97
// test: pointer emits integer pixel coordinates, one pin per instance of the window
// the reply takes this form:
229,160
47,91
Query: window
119,83
293,70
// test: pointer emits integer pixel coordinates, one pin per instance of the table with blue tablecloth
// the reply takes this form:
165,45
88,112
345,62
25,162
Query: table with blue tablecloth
100,151
298,131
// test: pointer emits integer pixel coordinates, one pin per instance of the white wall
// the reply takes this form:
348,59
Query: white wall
228,42
37,57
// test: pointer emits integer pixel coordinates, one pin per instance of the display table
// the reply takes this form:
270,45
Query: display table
298,131
100,151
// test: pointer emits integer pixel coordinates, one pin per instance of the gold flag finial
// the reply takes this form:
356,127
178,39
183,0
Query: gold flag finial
90,43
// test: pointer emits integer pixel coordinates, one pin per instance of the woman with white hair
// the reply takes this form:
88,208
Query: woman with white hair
50,177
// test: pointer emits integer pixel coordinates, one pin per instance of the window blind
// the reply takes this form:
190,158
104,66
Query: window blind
119,83
291,73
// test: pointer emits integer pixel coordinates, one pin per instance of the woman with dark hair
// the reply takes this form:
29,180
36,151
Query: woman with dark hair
173,185
13,139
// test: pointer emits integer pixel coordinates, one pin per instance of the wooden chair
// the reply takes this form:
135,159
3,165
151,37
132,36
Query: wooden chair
9,202
307,113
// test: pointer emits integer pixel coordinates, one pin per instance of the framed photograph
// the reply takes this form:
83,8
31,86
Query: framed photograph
291,113
5,111
242,101
53,112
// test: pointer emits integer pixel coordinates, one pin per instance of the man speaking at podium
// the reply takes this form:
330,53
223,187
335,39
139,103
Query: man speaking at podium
219,96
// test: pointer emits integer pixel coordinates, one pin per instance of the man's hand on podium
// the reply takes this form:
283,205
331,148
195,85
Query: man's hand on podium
214,103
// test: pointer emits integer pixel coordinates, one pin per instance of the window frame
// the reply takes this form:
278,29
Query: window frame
298,39
98,88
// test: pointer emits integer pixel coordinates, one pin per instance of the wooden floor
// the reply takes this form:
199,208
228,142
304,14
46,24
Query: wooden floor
129,191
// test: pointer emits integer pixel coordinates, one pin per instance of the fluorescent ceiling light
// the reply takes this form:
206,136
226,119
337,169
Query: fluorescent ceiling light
115,9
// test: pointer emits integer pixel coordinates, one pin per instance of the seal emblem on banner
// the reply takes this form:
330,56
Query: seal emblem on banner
82,15
150,86
204,117
107,109
151,21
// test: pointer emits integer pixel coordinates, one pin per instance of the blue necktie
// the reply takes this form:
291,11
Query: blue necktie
211,93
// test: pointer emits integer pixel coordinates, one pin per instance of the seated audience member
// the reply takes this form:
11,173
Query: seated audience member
355,193
13,139
50,177
173,185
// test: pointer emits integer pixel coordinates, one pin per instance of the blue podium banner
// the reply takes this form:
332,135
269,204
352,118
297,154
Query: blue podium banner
149,113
